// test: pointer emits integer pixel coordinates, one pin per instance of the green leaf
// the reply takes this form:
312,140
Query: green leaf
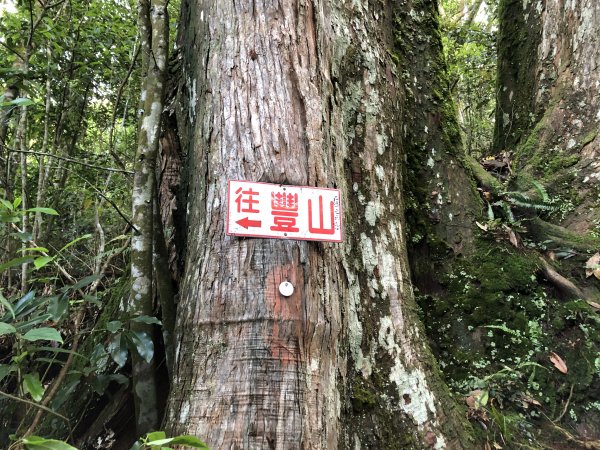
42,261
159,442
58,307
16,202
114,326
8,205
7,305
6,369
143,344
27,325
146,319
118,350
33,249
74,241
155,436
189,441
6,328
86,281
15,262
24,302
39,443
49,211
33,386
137,445
22,101
43,334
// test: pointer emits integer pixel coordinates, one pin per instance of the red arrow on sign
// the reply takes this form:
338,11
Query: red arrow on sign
247,223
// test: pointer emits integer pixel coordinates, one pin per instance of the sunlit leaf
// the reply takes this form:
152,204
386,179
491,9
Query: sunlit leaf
21,101
39,443
42,261
33,386
48,211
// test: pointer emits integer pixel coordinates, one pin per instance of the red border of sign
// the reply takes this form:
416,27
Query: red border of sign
284,237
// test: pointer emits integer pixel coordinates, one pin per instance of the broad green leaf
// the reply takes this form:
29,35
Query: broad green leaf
114,326
159,442
6,369
15,262
189,441
39,443
43,334
58,307
155,436
146,319
48,211
143,344
17,202
6,328
7,305
8,205
24,302
42,261
32,385
21,101
118,350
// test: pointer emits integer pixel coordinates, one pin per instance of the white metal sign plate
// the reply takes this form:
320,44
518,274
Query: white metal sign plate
283,212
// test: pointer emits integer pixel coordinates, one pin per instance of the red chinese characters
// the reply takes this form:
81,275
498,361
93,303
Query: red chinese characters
321,228
284,208
266,210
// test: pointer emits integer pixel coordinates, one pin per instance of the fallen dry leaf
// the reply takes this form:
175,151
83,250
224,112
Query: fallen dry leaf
558,362
483,227
592,266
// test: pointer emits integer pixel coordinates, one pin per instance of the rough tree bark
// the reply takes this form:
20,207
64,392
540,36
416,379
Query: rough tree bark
303,93
548,99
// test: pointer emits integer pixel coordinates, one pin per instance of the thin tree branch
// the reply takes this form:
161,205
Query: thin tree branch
111,140
100,193
66,158
35,405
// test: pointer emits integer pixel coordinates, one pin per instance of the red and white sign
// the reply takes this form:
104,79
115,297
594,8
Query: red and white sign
284,212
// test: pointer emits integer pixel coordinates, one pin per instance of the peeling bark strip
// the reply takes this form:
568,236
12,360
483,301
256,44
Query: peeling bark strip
303,93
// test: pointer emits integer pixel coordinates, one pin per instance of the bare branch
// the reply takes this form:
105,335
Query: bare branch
66,158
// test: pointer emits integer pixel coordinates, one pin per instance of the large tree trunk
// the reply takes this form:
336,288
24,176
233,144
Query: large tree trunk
548,99
301,93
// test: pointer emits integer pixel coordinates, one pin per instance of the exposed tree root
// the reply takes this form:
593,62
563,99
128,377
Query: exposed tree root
541,230
565,286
